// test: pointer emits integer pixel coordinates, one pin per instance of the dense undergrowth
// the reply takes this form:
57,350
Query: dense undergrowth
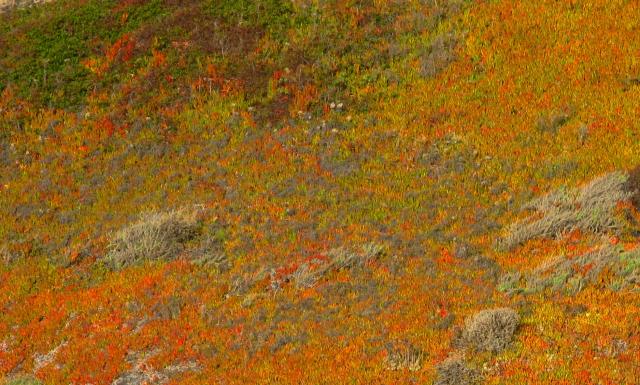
319,192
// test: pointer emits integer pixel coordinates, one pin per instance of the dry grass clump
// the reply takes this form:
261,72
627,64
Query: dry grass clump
440,54
509,283
573,274
307,274
342,258
491,330
218,261
455,371
6,257
209,254
561,272
404,357
304,276
10,5
155,236
632,186
240,285
589,208
553,121
143,373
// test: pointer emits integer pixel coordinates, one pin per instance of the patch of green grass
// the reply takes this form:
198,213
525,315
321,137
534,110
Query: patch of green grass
49,66
24,380
630,261
274,16
53,41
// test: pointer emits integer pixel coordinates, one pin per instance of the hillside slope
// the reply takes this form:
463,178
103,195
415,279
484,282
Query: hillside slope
319,192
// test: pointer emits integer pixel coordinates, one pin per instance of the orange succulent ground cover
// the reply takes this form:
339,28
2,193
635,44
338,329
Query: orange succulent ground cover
319,192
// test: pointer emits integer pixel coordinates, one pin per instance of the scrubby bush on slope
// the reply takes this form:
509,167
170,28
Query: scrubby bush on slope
491,330
157,235
455,371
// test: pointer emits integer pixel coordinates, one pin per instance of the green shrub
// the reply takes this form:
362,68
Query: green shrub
49,44
24,380
274,16
508,283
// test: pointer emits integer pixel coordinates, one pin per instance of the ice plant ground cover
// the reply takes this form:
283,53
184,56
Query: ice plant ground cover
320,192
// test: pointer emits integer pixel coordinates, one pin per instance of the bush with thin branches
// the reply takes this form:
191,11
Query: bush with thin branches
491,330
455,371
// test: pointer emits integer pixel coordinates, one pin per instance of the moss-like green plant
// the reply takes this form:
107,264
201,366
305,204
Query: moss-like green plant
24,380
51,42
